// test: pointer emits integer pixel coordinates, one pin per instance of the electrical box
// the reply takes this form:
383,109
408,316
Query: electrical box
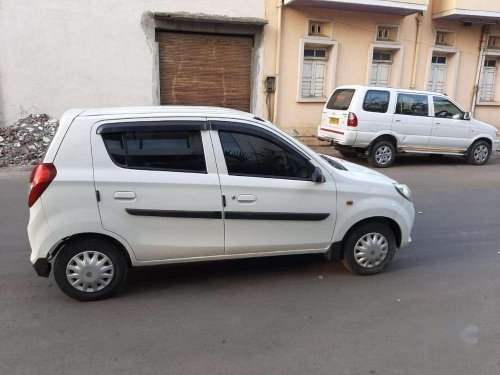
270,84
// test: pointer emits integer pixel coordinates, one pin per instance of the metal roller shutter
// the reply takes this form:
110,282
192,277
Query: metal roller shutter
205,69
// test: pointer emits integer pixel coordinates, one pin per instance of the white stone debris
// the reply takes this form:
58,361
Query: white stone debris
25,142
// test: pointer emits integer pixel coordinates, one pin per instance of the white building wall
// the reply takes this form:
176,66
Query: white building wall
58,54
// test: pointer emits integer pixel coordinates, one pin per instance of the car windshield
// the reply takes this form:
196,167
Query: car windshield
340,99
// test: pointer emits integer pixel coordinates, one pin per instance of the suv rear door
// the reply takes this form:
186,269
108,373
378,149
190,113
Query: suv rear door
411,121
158,187
271,202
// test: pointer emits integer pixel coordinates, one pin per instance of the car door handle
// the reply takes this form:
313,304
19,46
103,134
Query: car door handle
397,120
124,195
246,198
437,123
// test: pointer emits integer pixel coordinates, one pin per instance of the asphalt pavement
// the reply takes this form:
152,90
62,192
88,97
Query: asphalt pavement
436,309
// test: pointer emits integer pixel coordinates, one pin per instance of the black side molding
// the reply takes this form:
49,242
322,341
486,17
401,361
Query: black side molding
291,216
42,267
173,213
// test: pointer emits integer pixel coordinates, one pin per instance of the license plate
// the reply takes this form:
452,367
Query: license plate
334,121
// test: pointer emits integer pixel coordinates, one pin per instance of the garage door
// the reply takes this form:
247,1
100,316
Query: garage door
204,69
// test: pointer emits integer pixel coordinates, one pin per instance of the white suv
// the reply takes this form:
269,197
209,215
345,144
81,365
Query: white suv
148,186
381,122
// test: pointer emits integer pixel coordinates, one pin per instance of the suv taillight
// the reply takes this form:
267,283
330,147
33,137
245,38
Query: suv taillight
41,177
352,120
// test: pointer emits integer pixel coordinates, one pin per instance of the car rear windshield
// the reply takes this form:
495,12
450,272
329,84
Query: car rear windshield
340,99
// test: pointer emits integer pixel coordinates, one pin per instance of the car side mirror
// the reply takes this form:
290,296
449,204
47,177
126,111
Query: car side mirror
317,176
467,116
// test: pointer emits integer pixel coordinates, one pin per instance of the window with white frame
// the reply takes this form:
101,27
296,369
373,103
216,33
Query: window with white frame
488,78
317,28
381,68
445,38
313,72
494,42
387,33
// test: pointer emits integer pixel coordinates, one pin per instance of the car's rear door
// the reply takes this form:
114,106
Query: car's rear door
271,202
411,121
335,114
158,187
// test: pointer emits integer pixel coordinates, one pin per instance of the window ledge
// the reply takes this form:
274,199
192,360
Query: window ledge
312,100
486,104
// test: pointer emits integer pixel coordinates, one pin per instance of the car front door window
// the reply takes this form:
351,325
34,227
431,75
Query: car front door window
252,155
443,108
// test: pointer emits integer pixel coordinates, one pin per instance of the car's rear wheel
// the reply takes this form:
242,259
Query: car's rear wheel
382,154
90,269
479,153
369,248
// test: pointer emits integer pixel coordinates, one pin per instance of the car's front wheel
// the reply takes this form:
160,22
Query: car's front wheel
90,269
369,248
479,153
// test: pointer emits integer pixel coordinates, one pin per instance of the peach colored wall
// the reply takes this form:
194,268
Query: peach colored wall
355,32
479,5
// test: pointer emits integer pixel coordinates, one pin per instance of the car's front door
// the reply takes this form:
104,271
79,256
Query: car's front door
158,187
271,203
411,121
450,131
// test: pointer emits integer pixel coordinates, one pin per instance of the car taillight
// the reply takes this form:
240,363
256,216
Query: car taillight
352,120
41,177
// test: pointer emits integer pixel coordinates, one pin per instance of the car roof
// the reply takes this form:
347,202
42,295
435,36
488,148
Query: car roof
397,89
167,110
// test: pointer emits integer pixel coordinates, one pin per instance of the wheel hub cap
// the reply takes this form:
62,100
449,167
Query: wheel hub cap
371,250
383,155
89,271
480,153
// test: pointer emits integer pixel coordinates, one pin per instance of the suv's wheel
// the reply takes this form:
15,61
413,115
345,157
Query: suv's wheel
479,153
90,269
382,154
369,248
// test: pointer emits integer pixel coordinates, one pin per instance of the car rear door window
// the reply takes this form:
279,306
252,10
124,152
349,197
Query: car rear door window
376,101
164,150
256,156
340,99
412,105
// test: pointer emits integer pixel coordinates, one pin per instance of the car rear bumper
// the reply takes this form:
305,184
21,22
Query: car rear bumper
337,135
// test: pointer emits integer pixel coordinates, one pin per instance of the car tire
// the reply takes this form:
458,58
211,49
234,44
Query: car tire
479,153
104,269
369,248
382,154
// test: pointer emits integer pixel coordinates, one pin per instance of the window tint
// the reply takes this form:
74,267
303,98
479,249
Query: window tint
445,109
413,105
376,101
250,155
340,99
157,150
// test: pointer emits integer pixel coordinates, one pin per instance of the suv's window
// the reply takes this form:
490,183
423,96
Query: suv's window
251,155
445,109
340,99
376,101
165,150
413,105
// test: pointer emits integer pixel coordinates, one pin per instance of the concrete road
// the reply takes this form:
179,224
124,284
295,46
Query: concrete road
435,311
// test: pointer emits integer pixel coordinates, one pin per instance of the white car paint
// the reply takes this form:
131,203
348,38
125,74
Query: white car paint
69,206
419,134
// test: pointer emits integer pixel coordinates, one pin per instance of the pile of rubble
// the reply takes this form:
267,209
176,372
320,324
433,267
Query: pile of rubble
25,142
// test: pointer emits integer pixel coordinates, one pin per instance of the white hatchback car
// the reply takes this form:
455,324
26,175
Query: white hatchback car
381,122
146,186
